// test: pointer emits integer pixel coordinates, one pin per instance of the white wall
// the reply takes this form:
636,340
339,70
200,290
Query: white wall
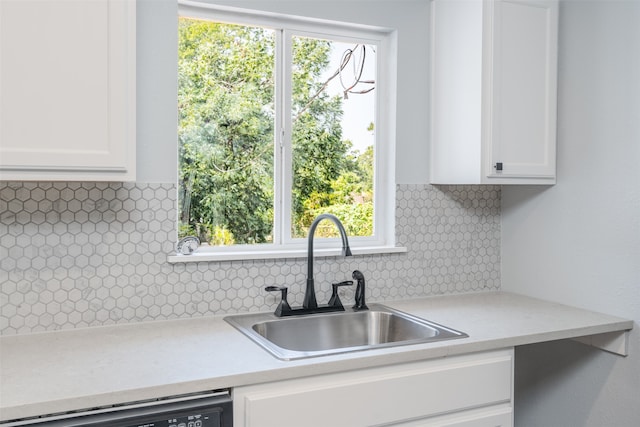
157,76
157,91
579,242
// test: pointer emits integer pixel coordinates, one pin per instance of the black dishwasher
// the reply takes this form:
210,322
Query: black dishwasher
213,409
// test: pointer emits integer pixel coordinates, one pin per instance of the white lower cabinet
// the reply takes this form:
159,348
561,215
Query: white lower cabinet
474,390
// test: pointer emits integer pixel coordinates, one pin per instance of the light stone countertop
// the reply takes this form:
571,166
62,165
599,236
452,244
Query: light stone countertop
68,370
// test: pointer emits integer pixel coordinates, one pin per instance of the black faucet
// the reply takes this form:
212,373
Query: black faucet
360,303
310,293
310,305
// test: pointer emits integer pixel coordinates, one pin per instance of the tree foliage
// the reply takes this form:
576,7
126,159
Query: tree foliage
226,134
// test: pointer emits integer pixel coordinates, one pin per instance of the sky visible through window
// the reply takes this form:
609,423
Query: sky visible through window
359,109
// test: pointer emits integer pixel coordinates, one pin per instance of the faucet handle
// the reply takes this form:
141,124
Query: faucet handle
335,299
283,308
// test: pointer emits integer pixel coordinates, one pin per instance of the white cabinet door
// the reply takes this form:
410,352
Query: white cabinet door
494,72
67,89
389,395
521,137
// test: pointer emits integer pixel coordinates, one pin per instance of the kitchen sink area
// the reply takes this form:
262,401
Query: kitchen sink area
225,212
316,335
318,330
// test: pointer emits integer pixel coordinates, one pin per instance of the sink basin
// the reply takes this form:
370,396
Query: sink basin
314,335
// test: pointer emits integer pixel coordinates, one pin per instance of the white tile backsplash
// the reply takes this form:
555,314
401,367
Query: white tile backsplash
89,254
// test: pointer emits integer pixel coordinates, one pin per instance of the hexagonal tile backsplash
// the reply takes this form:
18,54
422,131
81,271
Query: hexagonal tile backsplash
88,254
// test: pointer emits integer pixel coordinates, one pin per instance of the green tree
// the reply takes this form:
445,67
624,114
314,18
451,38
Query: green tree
226,130
365,169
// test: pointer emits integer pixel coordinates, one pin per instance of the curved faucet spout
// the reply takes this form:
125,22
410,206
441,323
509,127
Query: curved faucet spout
310,292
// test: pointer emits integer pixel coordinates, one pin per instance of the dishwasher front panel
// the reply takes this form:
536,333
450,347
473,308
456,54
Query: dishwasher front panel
210,410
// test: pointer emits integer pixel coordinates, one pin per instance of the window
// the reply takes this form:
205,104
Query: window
282,119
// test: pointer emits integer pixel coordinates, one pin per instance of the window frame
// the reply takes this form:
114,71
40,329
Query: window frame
285,27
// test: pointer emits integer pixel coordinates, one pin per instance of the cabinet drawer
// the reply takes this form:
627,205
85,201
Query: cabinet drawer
377,396
495,416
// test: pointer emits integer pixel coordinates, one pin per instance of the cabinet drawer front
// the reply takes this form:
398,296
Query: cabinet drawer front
380,395
495,416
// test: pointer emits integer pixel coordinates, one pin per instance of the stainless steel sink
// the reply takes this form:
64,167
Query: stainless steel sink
314,335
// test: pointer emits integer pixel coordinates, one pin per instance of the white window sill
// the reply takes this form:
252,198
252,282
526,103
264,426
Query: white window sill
208,256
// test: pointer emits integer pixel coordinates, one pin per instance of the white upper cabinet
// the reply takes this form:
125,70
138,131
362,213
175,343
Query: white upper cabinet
67,90
494,91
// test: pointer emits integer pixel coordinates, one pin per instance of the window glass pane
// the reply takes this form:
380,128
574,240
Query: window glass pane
333,122
226,132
